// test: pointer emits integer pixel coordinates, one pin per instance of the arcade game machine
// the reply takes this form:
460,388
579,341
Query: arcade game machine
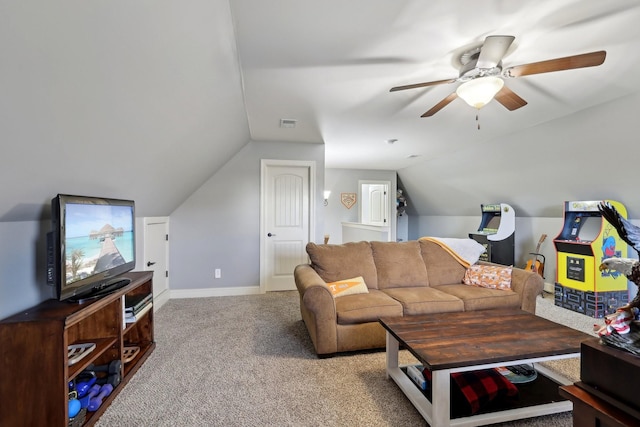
585,240
497,233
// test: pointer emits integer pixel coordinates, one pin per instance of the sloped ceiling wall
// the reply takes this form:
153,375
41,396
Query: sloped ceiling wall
590,155
127,99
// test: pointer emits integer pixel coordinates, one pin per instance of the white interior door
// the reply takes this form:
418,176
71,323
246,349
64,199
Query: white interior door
378,205
375,204
156,257
286,222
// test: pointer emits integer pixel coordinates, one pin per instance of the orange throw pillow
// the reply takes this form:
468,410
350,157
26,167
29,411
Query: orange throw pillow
488,276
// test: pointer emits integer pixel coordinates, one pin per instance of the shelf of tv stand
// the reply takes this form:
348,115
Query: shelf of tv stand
102,345
34,352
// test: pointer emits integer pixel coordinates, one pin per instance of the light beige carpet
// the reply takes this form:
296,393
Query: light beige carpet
247,360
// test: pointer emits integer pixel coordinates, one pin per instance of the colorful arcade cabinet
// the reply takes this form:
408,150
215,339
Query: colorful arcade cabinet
585,240
497,233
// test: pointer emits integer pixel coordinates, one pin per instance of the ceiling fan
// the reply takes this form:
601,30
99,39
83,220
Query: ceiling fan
482,74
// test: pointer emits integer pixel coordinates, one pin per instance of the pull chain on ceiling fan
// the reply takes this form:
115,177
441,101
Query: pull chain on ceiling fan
482,75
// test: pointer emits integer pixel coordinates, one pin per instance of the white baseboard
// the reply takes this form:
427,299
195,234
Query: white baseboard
160,300
214,292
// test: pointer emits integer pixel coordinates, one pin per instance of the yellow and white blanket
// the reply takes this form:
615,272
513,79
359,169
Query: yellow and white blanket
465,251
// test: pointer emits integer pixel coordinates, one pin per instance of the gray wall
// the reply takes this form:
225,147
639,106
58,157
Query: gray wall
23,264
22,268
218,226
346,181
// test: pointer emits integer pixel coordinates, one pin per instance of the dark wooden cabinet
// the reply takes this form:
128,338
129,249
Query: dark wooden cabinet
35,377
591,411
606,394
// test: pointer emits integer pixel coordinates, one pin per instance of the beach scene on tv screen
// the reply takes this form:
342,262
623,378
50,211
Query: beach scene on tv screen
97,238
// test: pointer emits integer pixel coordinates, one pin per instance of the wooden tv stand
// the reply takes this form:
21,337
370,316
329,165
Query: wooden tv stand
33,352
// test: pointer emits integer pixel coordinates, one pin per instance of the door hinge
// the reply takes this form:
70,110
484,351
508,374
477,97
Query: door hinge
166,273
166,237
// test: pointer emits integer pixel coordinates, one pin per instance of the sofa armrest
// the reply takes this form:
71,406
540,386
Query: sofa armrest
318,309
527,284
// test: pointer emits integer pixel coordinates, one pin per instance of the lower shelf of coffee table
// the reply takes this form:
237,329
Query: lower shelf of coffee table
541,391
527,408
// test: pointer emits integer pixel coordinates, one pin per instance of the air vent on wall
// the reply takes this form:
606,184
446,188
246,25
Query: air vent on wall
288,123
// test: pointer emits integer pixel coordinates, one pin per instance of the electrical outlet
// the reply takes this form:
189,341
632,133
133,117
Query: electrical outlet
218,273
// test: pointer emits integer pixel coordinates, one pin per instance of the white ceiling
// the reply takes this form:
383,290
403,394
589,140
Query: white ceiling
330,66
146,101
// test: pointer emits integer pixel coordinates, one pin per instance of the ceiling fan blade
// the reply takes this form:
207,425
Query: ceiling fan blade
440,105
493,50
509,99
417,85
559,64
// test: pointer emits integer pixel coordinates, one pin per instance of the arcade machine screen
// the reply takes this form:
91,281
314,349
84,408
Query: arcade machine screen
492,225
581,227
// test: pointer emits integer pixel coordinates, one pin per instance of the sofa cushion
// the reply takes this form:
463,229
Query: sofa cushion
477,298
361,308
425,300
348,287
441,267
488,276
339,262
399,264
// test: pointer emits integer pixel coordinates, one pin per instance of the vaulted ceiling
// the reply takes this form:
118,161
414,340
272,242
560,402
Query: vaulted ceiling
330,65
148,100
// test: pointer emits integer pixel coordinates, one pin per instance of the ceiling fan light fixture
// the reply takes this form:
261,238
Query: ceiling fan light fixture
480,91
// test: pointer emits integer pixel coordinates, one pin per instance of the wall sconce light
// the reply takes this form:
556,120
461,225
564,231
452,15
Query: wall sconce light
327,193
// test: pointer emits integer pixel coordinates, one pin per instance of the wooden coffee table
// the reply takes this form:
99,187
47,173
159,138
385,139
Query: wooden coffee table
467,341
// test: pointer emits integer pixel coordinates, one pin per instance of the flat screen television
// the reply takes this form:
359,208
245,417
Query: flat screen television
91,245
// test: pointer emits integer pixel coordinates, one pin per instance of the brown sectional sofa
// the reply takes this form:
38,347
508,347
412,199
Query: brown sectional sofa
403,278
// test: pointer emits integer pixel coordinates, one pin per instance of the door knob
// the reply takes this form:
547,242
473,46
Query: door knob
149,263
270,235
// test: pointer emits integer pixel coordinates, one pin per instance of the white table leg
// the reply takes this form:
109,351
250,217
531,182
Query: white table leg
392,352
440,397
